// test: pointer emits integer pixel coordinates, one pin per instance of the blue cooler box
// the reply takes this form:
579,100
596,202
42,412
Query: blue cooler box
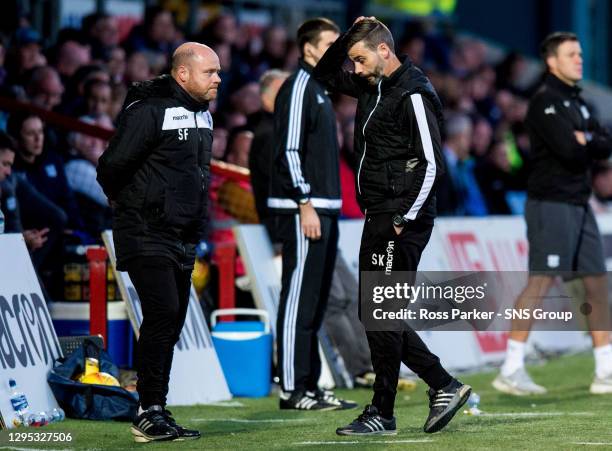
245,351
72,319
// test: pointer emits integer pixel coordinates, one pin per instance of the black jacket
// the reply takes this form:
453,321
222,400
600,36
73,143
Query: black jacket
260,159
559,165
156,172
397,136
306,161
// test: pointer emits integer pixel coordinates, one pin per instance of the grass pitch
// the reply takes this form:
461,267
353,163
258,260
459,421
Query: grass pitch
568,417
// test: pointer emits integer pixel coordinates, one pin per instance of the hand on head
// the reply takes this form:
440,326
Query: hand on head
360,18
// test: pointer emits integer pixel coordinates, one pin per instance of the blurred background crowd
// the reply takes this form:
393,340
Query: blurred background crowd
83,73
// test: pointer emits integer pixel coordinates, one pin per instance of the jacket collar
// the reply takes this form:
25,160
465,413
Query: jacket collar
397,74
182,96
558,85
304,65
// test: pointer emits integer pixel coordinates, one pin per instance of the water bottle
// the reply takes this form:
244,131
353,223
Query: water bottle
37,420
40,419
57,415
473,402
45,418
19,403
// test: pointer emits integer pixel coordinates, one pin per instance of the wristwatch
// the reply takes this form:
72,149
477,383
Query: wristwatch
399,221
304,201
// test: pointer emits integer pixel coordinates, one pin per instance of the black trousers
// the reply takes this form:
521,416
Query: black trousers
390,348
308,267
163,289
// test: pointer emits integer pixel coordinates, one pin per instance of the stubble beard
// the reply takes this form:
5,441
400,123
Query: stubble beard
376,76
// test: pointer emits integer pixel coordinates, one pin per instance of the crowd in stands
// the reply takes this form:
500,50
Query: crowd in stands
51,194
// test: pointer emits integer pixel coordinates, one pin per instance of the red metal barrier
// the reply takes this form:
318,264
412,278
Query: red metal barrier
225,257
97,291
230,171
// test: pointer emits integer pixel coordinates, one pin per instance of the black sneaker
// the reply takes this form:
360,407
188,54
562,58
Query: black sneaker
444,404
329,397
152,425
369,423
298,400
183,433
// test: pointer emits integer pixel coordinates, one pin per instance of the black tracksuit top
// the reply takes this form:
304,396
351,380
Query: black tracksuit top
306,162
559,167
397,136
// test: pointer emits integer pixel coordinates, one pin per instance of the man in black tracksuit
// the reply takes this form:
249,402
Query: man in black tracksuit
156,174
563,236
397,142
261,154
305,194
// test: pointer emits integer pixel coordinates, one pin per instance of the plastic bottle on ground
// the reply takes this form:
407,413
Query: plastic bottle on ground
19,403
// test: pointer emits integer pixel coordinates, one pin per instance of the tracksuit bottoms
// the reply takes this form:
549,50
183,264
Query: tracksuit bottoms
308,267
390,348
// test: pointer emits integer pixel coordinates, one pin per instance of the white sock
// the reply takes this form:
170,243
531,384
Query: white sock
603,361
515,357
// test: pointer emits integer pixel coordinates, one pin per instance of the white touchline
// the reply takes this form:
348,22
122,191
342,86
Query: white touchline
356,442
592,443
537,414
245,420
15,448
224,404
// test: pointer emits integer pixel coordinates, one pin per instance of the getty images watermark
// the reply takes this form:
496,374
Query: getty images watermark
483,301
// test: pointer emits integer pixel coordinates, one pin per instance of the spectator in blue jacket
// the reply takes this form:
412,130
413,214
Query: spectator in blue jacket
42,167
466,195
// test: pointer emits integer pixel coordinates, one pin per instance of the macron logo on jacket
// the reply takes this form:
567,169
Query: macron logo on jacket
180,117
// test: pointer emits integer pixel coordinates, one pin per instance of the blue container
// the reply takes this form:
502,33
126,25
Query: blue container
245,351
72,319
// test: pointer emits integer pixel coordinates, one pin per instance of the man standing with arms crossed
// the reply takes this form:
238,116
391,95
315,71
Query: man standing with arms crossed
397,141
563,236
156,173
305,195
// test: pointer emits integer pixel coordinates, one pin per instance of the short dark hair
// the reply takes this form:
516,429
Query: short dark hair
151,13
15,123
90,20
310,31
372,32
92,83
6,142
551,43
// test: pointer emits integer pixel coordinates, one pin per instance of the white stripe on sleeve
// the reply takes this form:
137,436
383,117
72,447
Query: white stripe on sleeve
430,172
295,128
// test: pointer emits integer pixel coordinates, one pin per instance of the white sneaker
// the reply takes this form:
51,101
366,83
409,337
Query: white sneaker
601,385
519,383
